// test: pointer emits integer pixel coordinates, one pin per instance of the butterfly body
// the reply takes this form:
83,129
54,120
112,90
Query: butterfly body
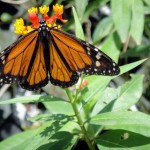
51,54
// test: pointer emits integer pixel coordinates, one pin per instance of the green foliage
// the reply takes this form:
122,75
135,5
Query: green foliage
96,112
121,13
128,17
103,28
18,141
123,141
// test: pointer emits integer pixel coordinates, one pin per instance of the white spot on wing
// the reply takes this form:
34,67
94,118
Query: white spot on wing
88,48
114,69
96,49
89,53
98,56
114,64
97,63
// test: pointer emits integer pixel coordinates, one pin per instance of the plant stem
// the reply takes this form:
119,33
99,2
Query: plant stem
80,121
126,44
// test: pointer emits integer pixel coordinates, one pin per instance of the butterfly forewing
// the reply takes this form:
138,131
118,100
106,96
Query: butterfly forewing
16,58
37,74
24,63
82,56
101,63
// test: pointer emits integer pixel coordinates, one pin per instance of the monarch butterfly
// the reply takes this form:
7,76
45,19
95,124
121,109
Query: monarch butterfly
48,53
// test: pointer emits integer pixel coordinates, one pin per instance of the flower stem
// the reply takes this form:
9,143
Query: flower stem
80,121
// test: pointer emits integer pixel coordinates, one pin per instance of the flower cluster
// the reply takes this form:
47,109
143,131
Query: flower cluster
35,20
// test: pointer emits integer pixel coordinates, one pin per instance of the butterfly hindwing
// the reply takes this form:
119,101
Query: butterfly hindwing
37,74
60,73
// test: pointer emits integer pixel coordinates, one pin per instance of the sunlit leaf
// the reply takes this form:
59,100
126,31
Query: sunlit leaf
80,7
78,28
137,22
129,93
103,28
18,141
112,46
32,98
121,13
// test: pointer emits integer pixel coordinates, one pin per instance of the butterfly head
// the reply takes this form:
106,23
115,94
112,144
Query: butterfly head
42,24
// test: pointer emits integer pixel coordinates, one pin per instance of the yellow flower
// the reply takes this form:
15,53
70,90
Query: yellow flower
33,10
44,10
58,9
19,29
49,25
27,29
19,22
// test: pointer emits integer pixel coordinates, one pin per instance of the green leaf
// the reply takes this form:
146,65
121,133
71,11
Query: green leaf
137,51
41,117
103,28
121,13
146,12
18,141
130,66
33,98
78,28
106,99
122,140
80,7
72,127
137,129
52,117
137,22
60,140
59,107
127,120
51,135
129,93
121,118
120,99
112,46
43,135
147,2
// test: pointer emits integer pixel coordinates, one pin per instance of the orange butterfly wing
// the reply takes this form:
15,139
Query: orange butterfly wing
70,56
21,62
60,73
